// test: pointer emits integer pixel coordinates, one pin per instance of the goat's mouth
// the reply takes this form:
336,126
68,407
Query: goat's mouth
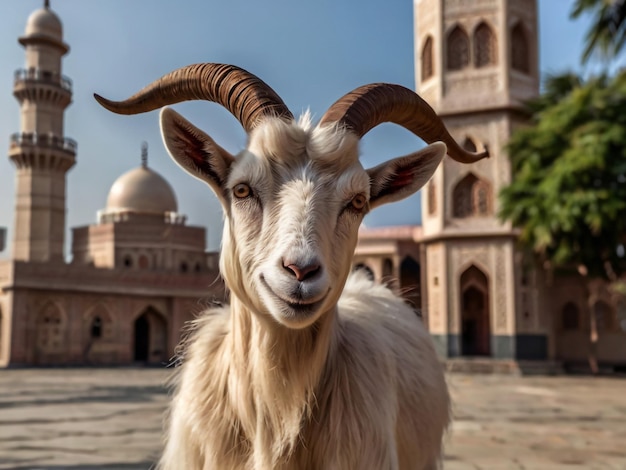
296,308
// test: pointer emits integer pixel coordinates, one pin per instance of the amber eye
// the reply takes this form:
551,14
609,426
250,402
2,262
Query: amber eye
241,190
358,202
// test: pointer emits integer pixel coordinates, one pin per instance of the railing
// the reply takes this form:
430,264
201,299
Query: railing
42,76
44,140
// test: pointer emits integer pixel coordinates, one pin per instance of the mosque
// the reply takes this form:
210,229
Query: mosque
135,277
140,273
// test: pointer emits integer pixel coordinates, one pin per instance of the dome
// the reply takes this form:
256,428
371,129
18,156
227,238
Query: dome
44,22
141,191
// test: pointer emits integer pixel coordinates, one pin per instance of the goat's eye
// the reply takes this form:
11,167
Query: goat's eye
242,190
358,202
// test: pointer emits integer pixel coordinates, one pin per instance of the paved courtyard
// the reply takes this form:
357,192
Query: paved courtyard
111,419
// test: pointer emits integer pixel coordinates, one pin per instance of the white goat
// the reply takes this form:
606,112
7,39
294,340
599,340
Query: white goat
309,367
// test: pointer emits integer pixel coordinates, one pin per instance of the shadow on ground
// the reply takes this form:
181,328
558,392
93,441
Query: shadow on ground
96,394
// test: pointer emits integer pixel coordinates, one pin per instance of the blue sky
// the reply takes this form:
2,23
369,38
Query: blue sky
311,53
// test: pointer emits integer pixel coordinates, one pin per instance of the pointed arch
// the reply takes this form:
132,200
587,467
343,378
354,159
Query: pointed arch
485,46
520,51
150,337
98,324
50,329
471,197
427,59
475,315
481,198
458,50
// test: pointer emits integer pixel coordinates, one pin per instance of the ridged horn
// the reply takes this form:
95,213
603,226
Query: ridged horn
368,106
245,95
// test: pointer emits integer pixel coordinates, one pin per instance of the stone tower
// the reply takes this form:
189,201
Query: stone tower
40,152
475,62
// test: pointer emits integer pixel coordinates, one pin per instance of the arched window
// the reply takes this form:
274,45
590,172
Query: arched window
427,59
484,46
96,328
98,324
184,267
481,198
432,198
570,317
471,197
520,60
462,197
128,261
458,49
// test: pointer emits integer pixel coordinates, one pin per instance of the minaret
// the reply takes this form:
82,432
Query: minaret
40,152
476,62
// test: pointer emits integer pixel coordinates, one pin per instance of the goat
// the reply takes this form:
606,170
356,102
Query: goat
309,367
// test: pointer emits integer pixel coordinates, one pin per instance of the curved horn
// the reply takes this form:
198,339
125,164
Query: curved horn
370,105
245,95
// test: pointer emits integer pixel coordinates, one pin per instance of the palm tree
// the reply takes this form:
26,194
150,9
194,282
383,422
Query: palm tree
607,34
555,88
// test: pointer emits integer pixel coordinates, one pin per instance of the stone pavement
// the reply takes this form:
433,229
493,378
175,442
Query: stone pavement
537,423
109,419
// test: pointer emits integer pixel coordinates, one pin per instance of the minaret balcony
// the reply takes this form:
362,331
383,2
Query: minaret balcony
28,149
42,85
21,139
42,76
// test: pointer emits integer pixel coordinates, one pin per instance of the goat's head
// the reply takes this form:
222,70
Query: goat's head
295,197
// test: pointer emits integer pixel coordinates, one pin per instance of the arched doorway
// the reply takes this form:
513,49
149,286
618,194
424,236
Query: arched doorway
475,318
150,337
410,282
50,340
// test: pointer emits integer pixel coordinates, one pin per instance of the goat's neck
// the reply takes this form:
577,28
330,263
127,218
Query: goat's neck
275,373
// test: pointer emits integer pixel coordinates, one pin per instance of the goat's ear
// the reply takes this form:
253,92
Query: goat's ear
399,178
195,151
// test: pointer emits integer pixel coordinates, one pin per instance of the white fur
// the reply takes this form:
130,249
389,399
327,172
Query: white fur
303,373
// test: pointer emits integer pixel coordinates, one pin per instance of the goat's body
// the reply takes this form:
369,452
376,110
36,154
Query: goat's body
361,389
296,373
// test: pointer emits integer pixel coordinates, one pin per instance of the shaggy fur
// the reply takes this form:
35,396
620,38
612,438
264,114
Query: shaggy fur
302,374
361,389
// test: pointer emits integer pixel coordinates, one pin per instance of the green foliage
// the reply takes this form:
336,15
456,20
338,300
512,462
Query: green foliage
607,34
568,194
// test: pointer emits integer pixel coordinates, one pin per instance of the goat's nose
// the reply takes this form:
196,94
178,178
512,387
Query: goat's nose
303,273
